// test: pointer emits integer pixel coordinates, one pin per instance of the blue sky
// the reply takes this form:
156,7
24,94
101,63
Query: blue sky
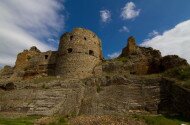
153,23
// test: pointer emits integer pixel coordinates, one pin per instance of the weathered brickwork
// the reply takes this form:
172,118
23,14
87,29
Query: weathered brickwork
79,53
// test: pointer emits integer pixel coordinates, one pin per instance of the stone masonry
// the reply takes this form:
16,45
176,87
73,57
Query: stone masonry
78,54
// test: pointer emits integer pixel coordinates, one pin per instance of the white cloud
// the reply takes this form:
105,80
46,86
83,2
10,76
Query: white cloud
124,29
129,11
173,41
114,55
27,23
154,33
105,16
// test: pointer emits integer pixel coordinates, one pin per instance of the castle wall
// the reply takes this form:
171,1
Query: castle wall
32,62
79,52
24,58
46,62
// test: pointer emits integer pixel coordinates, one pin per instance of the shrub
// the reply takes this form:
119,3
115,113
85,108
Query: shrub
122,59
181,73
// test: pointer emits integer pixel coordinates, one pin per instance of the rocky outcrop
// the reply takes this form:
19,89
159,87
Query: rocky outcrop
131,47
6,72
172,61
147,60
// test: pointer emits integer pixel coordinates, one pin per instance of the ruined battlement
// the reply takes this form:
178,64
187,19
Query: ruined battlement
78,54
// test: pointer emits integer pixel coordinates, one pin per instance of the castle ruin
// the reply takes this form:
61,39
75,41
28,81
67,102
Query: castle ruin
78,55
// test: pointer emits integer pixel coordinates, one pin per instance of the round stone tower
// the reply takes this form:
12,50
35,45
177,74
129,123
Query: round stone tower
78,54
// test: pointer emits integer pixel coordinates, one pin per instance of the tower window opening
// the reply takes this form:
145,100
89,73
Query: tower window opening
69,50
85,38
71,37
46,56
91,52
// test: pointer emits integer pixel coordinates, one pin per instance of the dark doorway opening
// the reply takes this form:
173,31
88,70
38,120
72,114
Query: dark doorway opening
46,56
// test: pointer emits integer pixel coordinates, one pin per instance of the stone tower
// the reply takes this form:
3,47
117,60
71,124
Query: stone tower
79,53
131,47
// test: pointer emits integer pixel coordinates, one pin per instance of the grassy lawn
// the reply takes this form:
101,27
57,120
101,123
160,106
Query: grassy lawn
29,121
18,121
162,120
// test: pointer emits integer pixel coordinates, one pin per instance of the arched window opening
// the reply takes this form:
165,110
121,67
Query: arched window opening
69,50
85,38
71,37
91,52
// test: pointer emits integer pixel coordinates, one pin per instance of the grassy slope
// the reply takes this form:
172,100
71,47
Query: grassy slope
18,121
150,120
29,121
181,74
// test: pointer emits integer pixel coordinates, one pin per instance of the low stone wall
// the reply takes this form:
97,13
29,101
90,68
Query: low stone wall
175,100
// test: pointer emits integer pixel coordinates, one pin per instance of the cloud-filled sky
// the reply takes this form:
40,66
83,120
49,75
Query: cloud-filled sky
161,24
25,24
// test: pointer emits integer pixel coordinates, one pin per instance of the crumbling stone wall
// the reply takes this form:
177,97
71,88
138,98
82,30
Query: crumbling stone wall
23,58
131,47
46,62
32,62
79,52
23,62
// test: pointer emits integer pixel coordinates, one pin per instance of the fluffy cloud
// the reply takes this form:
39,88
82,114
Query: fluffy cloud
105,15
129,11
124,29
173,41
114,55
25,24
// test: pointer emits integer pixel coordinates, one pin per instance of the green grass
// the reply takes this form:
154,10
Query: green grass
162,120
122,59
18,121
29,121
181,73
